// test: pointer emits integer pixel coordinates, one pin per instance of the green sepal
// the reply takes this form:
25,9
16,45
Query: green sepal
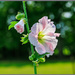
36,58
19,16
41,60
32,57
12,24
25,20
40,56
24,39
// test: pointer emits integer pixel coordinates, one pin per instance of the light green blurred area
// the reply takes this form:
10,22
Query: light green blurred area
24,67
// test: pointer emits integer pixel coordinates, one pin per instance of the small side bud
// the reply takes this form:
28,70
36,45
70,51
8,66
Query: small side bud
42,60
24,39
33,55
19,16
30,58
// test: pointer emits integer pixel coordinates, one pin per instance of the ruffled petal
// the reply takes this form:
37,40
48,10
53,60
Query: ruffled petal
53,34
50,46
54,43
33,39
49,29
36,28
48,38
44,21
50,34
57,34
40,48
47,24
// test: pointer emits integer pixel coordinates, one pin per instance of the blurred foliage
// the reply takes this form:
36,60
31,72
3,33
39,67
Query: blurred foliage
62,13
24,67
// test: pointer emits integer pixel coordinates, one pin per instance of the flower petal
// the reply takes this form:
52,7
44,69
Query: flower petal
53,42
36,28
53,34
50,34
33,39
48,38
20,26
40,48
44,21
57,34
49,29
50,46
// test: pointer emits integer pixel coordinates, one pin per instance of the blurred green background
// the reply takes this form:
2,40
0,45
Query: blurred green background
14,55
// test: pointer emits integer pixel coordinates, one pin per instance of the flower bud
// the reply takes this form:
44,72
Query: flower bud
33,55
24,39
30,58
20,26
19,16
42,60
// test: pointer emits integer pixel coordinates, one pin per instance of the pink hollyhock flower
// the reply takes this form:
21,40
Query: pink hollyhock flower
20,26
43,36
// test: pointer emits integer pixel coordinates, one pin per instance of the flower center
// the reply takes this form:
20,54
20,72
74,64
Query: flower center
40,36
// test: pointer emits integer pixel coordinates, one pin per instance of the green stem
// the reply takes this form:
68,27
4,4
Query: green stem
27,27
24,7
35,69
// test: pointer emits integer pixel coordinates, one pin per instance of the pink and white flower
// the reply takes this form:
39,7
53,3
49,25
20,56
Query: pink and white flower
20,26
43,36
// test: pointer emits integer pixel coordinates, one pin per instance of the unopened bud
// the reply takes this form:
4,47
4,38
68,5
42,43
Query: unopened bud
30,58
42,60
19,16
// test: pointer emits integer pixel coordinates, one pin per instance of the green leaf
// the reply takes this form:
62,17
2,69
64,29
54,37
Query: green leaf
24,39
12,24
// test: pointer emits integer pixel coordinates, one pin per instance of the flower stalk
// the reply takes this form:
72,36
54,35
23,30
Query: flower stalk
27,27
